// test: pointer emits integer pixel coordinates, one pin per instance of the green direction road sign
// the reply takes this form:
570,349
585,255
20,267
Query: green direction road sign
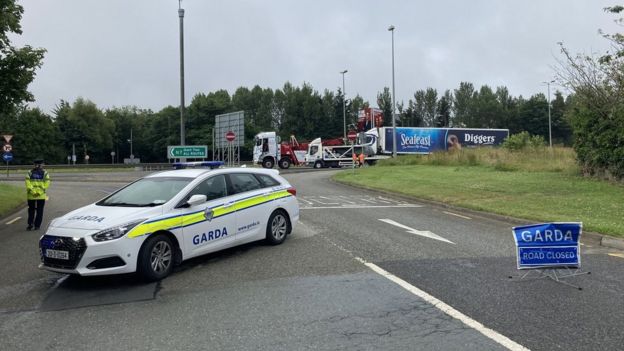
188,151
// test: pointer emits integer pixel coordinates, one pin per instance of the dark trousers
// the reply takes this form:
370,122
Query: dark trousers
35,212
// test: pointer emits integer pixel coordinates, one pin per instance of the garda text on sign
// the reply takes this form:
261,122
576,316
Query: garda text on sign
548,245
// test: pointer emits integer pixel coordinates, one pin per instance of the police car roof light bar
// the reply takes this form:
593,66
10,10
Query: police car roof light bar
198,164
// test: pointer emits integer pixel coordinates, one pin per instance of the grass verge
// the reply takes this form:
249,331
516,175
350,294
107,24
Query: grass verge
12,197
556,194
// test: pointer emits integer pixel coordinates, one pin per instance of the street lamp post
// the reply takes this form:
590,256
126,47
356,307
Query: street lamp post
131,142
181,15
394,151
344,106
549,120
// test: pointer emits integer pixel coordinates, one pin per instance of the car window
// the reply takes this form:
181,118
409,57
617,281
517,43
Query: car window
213,188
267,180
242,182
152,191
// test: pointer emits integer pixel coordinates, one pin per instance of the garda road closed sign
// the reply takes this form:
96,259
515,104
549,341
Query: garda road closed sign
187,151
548,245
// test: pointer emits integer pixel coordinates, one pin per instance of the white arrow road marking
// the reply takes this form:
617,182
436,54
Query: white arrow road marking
424,233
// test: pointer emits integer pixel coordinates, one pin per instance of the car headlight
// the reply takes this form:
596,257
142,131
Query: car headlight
115,232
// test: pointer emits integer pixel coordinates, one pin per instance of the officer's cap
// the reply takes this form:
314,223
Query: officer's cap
38,161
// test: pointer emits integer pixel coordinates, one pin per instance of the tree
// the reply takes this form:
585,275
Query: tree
17,65
561,129
430,106
384,101
443,116
597,108
37,136
533,114
85,126
419,108
486,109
463,109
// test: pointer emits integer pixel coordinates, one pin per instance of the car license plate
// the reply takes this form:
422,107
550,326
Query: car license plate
60,255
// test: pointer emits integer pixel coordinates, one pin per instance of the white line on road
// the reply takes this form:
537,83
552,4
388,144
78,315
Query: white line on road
439,304
324,203
456,215
13,220
359,206
424,233
300,198
368,200
342,197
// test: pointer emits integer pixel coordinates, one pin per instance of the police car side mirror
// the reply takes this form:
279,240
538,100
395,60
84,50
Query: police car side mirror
197,200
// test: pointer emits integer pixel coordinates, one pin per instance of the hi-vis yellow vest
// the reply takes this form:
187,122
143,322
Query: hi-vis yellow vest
37,182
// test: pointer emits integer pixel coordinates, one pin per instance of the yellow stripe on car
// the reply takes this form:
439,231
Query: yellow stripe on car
197,217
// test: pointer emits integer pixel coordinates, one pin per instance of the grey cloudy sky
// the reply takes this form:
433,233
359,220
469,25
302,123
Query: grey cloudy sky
122,52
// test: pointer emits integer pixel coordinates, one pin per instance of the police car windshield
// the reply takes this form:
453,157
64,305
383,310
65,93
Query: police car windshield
147,192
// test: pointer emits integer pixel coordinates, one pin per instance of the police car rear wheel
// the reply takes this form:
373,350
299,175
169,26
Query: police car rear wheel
277,228
156,258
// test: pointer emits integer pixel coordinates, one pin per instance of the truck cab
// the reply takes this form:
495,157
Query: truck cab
266,149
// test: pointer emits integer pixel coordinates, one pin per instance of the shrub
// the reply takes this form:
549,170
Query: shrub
522,141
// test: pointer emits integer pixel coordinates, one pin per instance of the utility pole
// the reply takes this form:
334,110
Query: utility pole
344,106
394,149
549,120
181,15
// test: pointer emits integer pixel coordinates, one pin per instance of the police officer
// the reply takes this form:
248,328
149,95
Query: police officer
37,183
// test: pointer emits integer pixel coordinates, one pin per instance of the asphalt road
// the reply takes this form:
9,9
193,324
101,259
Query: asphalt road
317,290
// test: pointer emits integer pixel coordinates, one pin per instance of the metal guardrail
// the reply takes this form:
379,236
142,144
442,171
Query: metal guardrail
141,166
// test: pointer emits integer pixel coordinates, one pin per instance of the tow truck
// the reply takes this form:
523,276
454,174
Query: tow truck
269,150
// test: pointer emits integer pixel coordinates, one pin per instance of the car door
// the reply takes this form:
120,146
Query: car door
250,204
209,227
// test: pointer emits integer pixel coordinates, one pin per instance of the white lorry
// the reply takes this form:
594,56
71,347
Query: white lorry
335,153
269,150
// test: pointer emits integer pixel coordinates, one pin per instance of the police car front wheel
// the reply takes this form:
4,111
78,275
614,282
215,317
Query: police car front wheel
156,258
277,227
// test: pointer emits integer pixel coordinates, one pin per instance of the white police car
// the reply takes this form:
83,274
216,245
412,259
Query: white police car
165,218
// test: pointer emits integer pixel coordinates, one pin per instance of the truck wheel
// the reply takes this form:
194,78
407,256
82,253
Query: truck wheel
318,164
156,258
267,162
278,227
284,163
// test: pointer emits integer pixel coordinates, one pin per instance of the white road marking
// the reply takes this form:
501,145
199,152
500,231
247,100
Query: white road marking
424,233
367,200
447,309
324,203
359,207
304,200
456,215
13,220
330,199
381,199
390,200
342,197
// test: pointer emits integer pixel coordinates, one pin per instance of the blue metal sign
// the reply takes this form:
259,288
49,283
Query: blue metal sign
548,245
7,157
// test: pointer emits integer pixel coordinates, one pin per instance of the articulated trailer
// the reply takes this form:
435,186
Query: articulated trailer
417,140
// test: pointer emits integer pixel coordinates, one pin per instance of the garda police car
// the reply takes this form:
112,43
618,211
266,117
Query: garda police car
165,218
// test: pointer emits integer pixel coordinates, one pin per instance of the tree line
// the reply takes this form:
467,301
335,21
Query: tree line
291,110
